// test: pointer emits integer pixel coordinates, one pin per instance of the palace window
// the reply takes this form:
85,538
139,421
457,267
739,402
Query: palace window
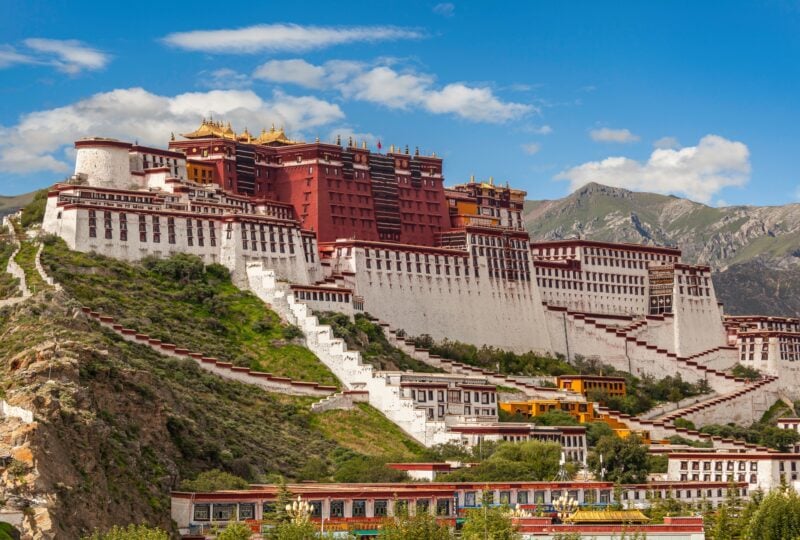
171,230
123,227
92,224
202,512
224,512
247,511
189,233
156,230
316,509
381,508
359,508
337,509
142,228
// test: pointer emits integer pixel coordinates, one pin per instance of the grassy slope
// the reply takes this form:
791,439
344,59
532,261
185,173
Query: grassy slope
367,431
211,316
122,425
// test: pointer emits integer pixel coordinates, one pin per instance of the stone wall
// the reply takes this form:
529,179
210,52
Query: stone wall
345,400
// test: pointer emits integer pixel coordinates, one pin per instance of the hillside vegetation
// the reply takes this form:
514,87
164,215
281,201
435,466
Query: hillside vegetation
367,337
9,205
180,301
119,425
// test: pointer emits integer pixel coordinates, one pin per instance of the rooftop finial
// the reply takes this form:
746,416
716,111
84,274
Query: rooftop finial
317,139
472,178
364,145
339,140
391,149
491,180
350,141
416,151
406,149
272,129
172,135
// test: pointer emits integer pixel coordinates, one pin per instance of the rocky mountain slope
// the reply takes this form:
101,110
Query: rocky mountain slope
9,205
117,426
756,250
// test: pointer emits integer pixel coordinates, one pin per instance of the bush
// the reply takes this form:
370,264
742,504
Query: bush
131,532
214,480
33,214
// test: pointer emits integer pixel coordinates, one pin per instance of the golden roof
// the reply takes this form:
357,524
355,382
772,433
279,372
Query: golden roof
607,516
211,129
274,136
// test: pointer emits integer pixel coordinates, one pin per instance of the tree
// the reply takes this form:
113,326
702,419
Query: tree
235,531
596,431
494,523
422,526
530,460
781,439
624,460
131,532
777,517
215,480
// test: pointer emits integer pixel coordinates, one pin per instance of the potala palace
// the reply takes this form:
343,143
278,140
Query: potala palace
317,227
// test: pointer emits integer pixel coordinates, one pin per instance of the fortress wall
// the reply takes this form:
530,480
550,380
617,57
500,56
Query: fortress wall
742,408
480,311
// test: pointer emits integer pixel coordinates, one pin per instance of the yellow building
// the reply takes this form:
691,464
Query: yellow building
200,172
583,412
583,384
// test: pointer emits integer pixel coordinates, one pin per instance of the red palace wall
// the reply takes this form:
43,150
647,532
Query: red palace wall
337,192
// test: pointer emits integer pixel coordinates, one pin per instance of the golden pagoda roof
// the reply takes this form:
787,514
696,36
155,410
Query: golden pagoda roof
607,516
274,136
211,129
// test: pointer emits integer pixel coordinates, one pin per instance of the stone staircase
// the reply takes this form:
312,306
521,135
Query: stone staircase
345,364
344,400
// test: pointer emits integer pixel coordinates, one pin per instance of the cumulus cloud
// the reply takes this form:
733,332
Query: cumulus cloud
531,148
613,135
698,172
667,142
446,9
41,140
69,55
386,86
283,37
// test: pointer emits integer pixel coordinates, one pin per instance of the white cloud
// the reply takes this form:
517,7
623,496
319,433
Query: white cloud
283,37
295,71
613,135
391,88
40,140
69,55
531,148
667,142
446,9
541,130
9,57
698,172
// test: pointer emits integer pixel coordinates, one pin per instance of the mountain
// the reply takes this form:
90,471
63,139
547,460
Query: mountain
9,205
755,249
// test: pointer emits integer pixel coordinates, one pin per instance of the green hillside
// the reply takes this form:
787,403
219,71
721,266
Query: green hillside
120,425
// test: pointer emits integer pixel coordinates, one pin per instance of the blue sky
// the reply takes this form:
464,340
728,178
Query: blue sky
693,98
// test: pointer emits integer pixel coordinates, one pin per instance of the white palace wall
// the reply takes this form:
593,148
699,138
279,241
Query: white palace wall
482,310
226,248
